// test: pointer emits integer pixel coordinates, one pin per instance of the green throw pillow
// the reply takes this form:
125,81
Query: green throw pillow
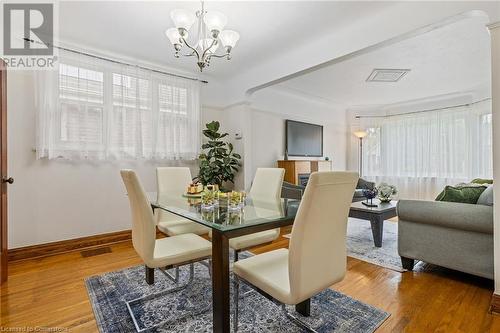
463,193
482,181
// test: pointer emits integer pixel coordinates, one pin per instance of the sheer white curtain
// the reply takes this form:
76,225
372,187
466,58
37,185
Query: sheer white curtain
97,109
420,153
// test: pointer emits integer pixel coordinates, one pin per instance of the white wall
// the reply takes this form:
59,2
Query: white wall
268,140
54,200
264,124
495,56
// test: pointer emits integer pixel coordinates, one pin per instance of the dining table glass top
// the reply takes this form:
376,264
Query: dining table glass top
253,212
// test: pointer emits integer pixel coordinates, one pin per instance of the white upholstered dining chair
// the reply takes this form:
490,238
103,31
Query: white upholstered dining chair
173,181
266,186
316,258
161,253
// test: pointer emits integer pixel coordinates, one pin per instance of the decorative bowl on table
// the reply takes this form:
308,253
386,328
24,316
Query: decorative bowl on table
386,192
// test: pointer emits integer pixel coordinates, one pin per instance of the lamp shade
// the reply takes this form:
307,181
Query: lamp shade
182,18
173,35
215,21
205,44
229,37
360,134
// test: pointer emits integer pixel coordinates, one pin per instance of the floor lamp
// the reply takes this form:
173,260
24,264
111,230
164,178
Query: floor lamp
360,135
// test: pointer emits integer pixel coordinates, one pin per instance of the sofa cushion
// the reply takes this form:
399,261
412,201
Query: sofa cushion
486,198
482,181
463,193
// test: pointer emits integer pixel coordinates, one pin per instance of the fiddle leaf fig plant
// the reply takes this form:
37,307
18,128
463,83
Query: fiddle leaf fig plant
218,162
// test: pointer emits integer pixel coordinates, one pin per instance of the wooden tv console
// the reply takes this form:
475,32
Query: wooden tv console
296,168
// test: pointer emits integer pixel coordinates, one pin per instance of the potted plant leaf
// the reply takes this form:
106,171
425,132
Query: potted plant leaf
218,162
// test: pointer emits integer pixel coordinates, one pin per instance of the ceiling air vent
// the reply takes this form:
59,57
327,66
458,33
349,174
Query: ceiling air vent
387,75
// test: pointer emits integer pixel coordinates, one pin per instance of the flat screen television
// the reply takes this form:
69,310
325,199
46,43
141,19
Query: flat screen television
303,139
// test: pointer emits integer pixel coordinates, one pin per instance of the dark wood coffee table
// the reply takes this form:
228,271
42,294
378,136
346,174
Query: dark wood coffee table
376,216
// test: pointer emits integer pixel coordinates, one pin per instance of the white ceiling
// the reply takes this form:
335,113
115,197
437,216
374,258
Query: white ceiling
280,38
267,28
453,58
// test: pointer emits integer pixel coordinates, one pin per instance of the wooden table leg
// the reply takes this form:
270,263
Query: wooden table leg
220,281
377,223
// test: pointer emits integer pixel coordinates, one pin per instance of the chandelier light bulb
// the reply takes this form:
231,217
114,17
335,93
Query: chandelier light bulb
174,36
183,19
229,38
215,22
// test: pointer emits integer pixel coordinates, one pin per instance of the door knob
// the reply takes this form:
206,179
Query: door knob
9,180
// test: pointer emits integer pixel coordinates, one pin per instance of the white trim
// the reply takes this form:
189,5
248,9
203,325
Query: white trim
493,25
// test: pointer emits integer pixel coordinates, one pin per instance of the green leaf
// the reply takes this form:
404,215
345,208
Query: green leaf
218,163
213,126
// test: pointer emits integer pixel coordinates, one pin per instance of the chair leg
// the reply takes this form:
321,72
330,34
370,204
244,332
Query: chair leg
304,307
236,297
208,265
407,263
162,293
173,278
297,321
150,275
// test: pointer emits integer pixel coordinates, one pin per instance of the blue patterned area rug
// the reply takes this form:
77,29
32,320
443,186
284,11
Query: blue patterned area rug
360,244
331,311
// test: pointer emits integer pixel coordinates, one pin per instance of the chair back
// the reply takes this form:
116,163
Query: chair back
173,180
267,183
317,251
143,224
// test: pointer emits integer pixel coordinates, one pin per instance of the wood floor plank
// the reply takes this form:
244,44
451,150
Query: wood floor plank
50,292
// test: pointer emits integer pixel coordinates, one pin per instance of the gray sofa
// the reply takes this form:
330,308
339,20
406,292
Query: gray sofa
453,235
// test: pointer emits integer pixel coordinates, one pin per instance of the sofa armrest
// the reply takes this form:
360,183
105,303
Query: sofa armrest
292,191
469,217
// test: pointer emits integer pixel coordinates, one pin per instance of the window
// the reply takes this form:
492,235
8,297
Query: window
81,95
132,115
420,153
95,109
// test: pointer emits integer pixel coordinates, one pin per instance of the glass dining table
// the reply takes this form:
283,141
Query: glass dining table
254,216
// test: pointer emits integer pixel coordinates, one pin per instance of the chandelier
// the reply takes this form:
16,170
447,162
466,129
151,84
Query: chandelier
209,35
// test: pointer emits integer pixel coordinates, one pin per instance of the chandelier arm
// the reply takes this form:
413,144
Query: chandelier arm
192,48
219,55
208,48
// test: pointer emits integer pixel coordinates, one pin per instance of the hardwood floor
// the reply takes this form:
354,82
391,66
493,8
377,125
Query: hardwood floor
50,292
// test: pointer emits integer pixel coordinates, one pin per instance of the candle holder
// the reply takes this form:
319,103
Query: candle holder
369,194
